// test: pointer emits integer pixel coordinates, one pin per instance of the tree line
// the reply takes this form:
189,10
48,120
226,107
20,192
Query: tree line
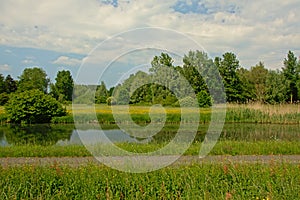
167,84
257,84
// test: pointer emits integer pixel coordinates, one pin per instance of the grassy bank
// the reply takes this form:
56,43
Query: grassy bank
249,113
221,148
205,181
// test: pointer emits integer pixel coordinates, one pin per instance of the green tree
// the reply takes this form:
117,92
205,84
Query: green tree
101,93
121,96
228,67
10,84
2,84
292,77
248,88
163,60
62,90
33,78
276,89
33,106
258,76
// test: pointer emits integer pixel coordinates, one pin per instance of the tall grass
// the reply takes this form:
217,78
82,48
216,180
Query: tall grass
204,181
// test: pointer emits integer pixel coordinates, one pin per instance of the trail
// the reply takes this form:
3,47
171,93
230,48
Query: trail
183,160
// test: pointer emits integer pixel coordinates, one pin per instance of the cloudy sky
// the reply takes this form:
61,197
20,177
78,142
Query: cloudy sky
58,35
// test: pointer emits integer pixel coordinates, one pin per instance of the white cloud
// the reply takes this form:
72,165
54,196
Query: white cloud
5,68
65,60
251,29
29,60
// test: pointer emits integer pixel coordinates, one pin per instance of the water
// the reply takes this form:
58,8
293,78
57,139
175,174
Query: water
68,135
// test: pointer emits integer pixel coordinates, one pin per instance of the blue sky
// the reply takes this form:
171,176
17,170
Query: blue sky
56,35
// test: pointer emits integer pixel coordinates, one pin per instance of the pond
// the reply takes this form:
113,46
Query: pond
69,135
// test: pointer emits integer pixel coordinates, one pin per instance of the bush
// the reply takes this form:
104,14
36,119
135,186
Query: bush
33,106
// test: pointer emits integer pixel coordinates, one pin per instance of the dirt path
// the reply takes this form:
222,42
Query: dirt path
184,160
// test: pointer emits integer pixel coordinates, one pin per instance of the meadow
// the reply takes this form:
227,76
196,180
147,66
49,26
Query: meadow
195,181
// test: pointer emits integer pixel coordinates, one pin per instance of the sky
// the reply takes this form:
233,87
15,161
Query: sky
66,35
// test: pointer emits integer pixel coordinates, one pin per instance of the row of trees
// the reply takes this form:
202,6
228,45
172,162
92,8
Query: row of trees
29,100
169,85
241,85
36,79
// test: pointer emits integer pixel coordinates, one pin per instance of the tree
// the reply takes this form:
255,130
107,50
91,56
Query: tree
276,88
248,88
33,106
258,76
62,90
101,93
228,66
163,60
33,78
2,84
291,75
10,84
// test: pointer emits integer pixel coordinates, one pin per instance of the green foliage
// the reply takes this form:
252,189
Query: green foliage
101,94
228,66
292,76
62,90
111,101
186,102
10,84
33,78
276,89
84,94
204,99
33,106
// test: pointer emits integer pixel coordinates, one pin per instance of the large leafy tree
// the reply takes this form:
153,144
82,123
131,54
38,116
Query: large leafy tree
33,78
33,106
62,90
292,77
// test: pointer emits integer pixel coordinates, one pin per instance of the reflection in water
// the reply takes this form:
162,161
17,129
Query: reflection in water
35,134
67,135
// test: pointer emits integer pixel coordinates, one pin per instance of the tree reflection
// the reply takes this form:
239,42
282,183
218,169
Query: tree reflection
37,134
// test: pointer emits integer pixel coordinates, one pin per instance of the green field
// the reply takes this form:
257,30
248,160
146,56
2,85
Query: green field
221,148
204,181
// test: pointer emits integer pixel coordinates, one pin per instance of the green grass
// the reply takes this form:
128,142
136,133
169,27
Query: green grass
275,114
221,148
204,181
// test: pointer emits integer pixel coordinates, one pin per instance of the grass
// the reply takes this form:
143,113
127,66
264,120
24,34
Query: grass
221,148
249,113
204,181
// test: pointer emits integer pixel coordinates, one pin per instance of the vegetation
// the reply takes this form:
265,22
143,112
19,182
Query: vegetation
222,148
32,106
204,181
62,90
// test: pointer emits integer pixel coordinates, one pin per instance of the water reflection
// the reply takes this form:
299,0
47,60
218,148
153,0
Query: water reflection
68,135
34,134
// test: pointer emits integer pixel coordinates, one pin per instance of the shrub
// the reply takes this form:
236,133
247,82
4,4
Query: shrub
33,106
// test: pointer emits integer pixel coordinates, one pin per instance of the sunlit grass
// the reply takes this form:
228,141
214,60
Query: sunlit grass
221,148
196,181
